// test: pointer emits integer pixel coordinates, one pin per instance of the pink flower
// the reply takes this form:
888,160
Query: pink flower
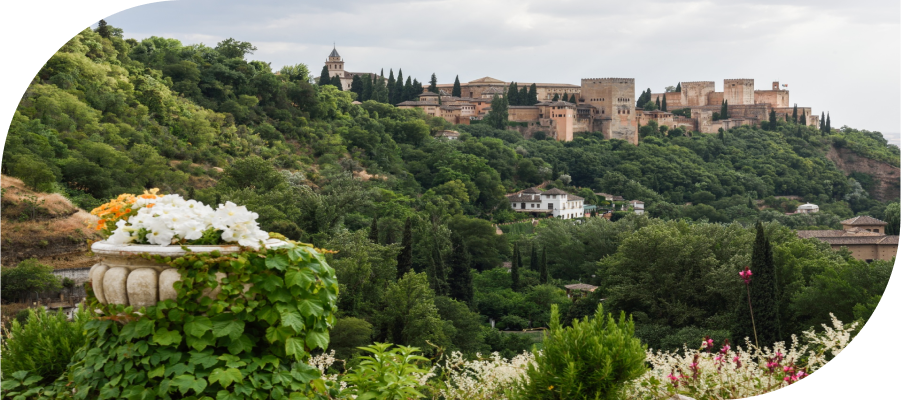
787,379
725,349
746,275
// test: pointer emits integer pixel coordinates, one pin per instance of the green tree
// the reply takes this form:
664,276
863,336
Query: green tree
533,259
823,121
405,258
399,88
438,271
514,270
324,78
523,96
408,90
392,97
374,230
457,91
460,278
367,88
348,335
32,171
657,102
356,86
592,359
764,292
803,119
29,277
103,29
410,316
433,84
772,119
556,97
543,275
336,82
795,113
892,218
663,104
231,48
295,73
828,123
679,87
512,94
497,117
724,110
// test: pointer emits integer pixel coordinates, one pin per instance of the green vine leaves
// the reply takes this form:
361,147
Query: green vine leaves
241,327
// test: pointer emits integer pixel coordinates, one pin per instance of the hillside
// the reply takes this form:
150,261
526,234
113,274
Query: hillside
43,226
881,178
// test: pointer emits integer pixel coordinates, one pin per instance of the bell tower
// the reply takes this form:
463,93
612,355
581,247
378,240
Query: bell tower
335,64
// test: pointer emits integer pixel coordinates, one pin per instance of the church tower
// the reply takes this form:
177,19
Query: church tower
335,64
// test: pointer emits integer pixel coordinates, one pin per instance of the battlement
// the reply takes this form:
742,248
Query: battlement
609,80
699,82
738,80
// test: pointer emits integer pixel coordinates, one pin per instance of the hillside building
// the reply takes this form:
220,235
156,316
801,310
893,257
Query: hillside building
335,65
864,236
554,202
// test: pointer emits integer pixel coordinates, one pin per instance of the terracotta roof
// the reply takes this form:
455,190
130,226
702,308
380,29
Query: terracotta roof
428,94
863,220
581,286
804,234
554,191
417,103
451,108
849,240
556,103
523,198
574,197
487,79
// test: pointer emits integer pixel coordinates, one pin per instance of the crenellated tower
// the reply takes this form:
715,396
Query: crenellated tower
614,100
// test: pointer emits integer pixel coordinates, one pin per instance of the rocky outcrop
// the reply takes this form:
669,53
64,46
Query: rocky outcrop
885,176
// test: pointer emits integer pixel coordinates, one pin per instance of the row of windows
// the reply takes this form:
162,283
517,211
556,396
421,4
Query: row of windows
597,99
624,111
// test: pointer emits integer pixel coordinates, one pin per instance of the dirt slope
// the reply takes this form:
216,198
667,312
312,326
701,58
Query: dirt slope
885,176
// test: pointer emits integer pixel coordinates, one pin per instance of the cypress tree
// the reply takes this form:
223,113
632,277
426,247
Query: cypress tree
764,289
379,91
356,86
382,73
374,230
533,95
433,84
679,87
336,82
391,86
514,270
408,89
460,278
324,78
803,120
556,97
772,119
823,122
724,111
533,259
417,89
399,87
795,113
828,124
513,94
565,97
543,276
439,272
405,258
367,88
498,116
657,102
523,96
457,91
663,104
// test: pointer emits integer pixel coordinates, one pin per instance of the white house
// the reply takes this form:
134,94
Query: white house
555,202
808,208
637,206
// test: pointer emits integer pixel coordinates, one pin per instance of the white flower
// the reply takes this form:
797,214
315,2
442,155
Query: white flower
190,229
162,237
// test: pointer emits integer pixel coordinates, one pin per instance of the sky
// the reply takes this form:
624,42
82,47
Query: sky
836,56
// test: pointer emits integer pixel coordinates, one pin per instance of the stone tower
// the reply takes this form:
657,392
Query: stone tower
738,91
335,64
696,93
614,99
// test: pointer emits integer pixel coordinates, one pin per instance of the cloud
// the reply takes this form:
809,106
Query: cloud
833,53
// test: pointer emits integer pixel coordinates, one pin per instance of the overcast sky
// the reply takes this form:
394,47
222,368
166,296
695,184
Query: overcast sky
836,56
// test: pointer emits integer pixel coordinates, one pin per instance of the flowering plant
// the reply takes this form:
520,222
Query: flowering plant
170,219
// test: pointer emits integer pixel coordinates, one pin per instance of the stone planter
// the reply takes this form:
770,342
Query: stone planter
123,277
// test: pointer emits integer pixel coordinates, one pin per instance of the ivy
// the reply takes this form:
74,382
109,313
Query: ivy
246,340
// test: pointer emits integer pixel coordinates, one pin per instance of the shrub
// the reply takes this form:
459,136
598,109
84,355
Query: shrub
44,344
26,278
591,359
386,374
347,335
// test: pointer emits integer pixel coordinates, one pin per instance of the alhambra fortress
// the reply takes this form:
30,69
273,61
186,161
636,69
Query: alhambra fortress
604,105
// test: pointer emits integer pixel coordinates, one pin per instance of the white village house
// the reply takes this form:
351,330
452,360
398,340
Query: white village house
554,202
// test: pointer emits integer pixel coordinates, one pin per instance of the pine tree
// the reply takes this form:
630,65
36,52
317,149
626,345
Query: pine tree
399,87
556,97
433,84
823,122
514,270
772,119
324,78
803,120
374,231
405,258
391,84
408,89
764,289
336,82
795,113
103,29
663,104
828,124
543,276
457,91
679,87
460,278
533,95
533,258
356,86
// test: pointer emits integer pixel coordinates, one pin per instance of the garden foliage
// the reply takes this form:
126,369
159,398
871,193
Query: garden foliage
43,344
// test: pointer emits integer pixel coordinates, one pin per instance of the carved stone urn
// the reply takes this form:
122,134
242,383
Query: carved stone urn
123,277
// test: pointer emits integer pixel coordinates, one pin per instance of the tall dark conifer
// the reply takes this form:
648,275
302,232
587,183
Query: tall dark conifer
391,86
336,82
103,29
457,91
823,122
405,258
356,86
828,124
439,273
417,89
795,113
408,89
324,78
657,102
772,119
374,230
543,275
556,97
399,88
663,104
724,110
460,278
367,88
514,270
803,119
764,294
679,87
433,84
533,258
533,95
523,96
513,94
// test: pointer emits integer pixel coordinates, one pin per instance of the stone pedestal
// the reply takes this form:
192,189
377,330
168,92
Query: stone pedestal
124,277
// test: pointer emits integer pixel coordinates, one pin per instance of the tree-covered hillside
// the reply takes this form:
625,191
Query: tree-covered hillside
107,115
